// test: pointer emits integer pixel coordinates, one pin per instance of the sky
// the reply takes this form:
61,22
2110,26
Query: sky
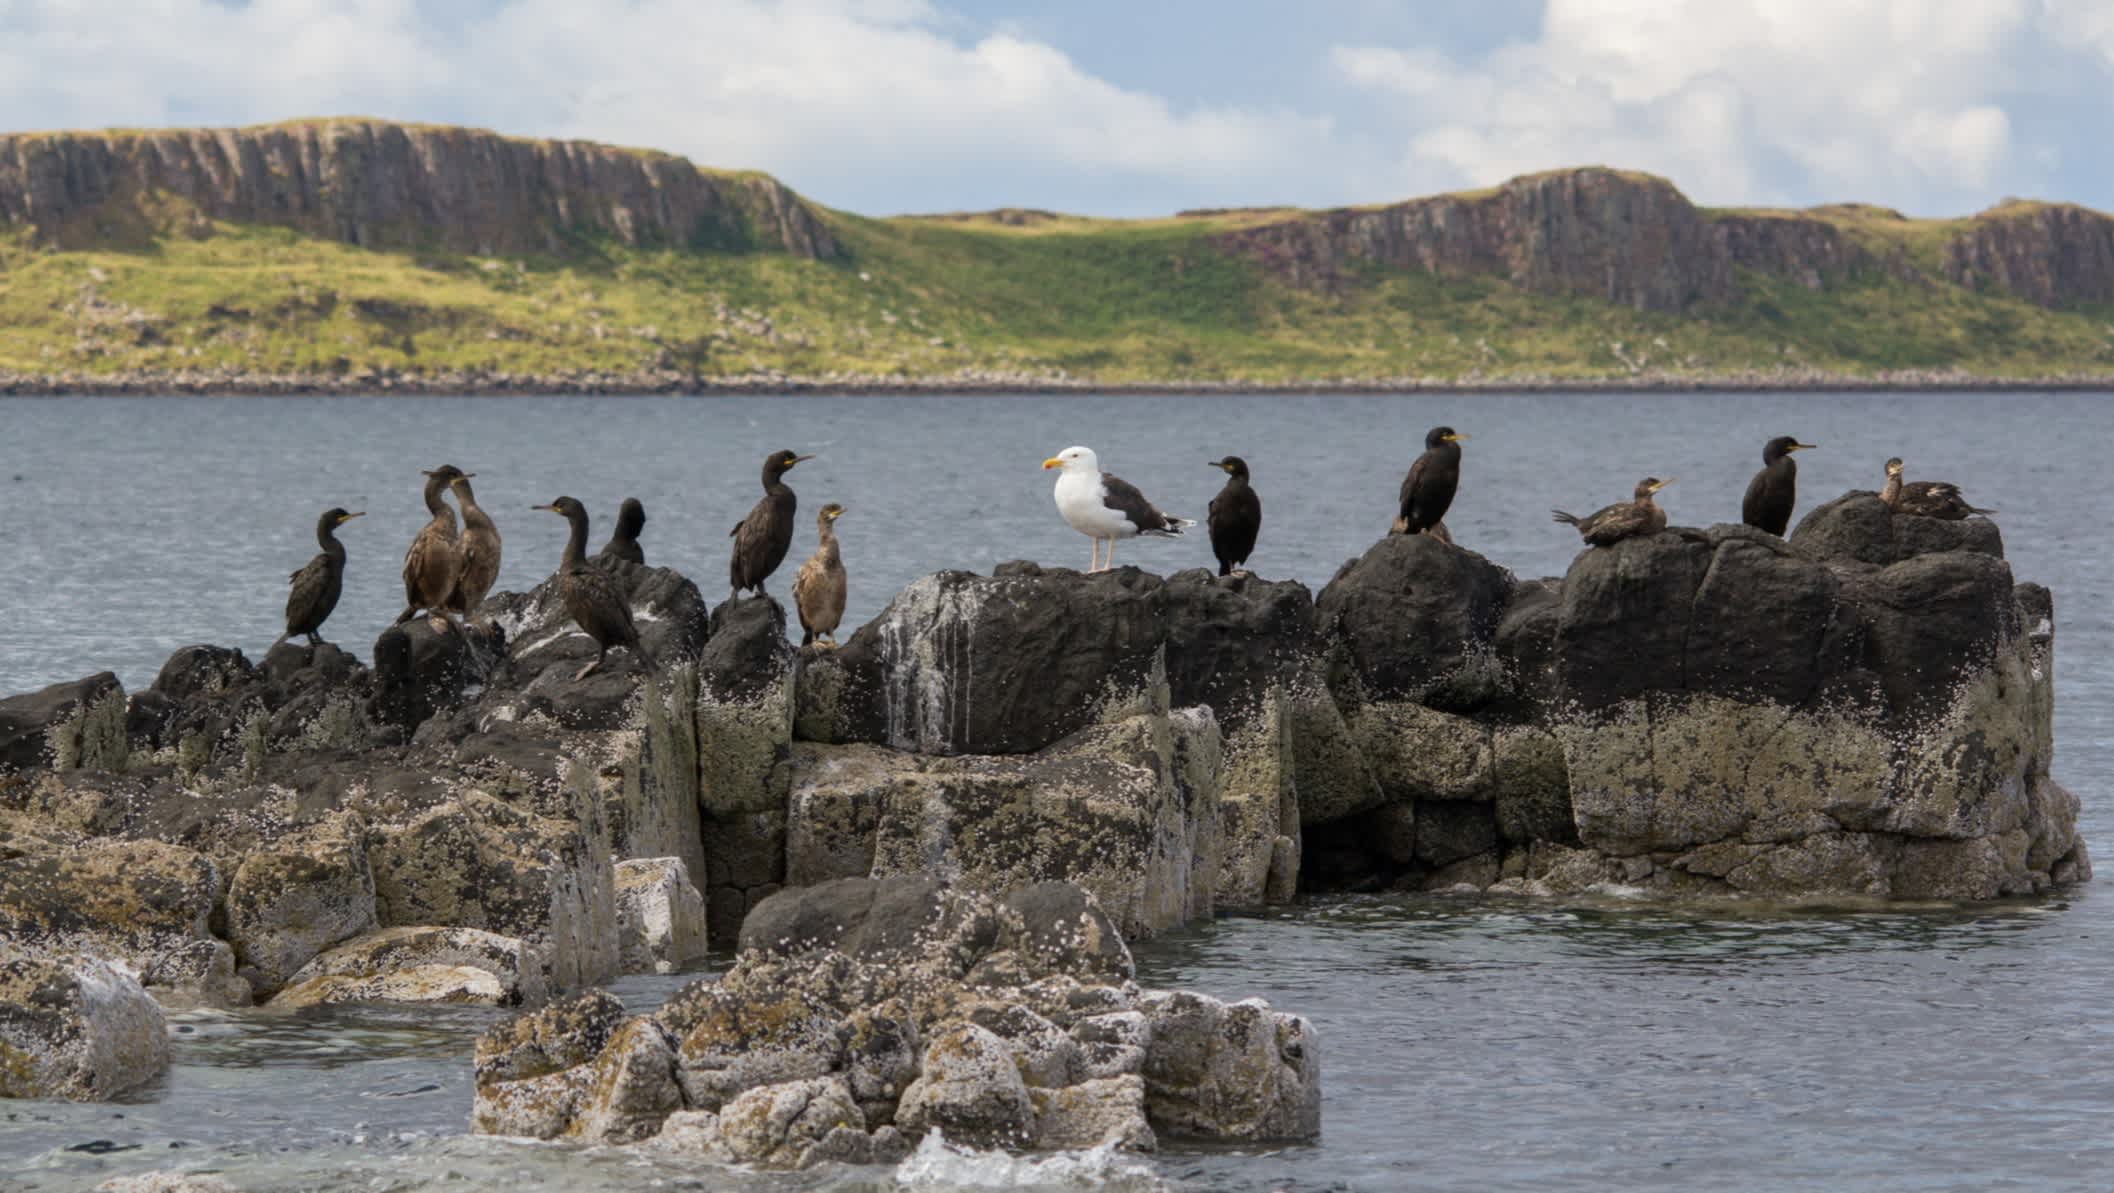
1146,107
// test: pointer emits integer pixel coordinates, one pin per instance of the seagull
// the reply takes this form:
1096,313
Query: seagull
1105,508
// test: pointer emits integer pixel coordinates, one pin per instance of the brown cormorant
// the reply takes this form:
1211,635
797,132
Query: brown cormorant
1926,499
762,538
819,586
1105,507
1774,490
1234,516
591,595
476,548
624,544
1427,492
317,585
432,562
1629,519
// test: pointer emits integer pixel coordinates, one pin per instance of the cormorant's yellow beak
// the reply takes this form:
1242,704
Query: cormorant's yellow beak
1801,447
551,508
797,459
1662,484
1052,462
1456,437
349,517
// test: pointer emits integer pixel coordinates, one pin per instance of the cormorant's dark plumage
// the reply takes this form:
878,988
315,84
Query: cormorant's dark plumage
624,543
1925,499
1427,492
591,595
433,560
1629,519
1236,514
820,586
317,585
762,539
1774,490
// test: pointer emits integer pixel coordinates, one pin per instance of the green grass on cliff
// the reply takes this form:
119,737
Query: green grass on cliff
926,297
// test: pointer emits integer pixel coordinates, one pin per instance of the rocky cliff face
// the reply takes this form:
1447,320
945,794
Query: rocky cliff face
2052,254
382,185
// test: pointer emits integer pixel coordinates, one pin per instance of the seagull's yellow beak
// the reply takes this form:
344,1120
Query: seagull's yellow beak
1052,462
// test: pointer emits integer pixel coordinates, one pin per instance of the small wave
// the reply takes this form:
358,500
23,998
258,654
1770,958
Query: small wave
937,1164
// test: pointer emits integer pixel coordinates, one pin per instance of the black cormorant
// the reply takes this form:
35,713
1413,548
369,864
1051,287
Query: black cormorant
762,538
1629,519
476,548
591,595
432,562
624,543
1774,490
819,587
317,585
1235,516
1926,499
1427,492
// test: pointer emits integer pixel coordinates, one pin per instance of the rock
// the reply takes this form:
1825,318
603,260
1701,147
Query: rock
969,1086
1418,619
1230,1070
27,722
784,1126
729,1039
577,1069
419,672
1259,812
1858,528
1112,1044
305,893
546,649
143,904
423,964
1417,753
75,1028
479,862
1063,930
660,915
1105,1111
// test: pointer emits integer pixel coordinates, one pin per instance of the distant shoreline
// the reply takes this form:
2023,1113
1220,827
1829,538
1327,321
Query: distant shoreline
585,384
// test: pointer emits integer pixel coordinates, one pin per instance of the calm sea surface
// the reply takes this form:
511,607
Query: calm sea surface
1467,1044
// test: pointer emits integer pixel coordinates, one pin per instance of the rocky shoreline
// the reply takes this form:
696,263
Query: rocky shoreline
993,382
1862,712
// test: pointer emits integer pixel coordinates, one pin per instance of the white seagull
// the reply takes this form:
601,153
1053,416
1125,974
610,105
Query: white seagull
1105,508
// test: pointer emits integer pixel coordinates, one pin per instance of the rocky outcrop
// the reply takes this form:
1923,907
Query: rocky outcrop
427,964
30,724
660,915
78,1029
863,1014
381,185
2050,254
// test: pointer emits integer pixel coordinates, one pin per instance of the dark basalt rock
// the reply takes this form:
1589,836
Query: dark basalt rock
1419,619
1930,621
1013,662
418,671
1858,528
1526,645
746,654
26,720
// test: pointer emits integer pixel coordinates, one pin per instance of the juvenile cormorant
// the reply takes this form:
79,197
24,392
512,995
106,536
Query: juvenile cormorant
432,562
819,586
317,585
1103,507
1427,492
591,595
1774,490
1926,499
1629,519
761,539
1234,517
477,548
624,544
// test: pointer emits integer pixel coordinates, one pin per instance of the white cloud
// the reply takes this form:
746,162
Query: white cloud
1737,100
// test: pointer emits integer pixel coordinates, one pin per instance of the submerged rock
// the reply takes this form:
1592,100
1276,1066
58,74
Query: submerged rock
426,964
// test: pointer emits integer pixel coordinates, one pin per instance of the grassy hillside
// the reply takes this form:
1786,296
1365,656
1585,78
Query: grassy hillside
1017,296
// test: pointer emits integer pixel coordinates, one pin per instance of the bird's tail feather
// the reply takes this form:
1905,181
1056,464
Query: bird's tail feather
1566,519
